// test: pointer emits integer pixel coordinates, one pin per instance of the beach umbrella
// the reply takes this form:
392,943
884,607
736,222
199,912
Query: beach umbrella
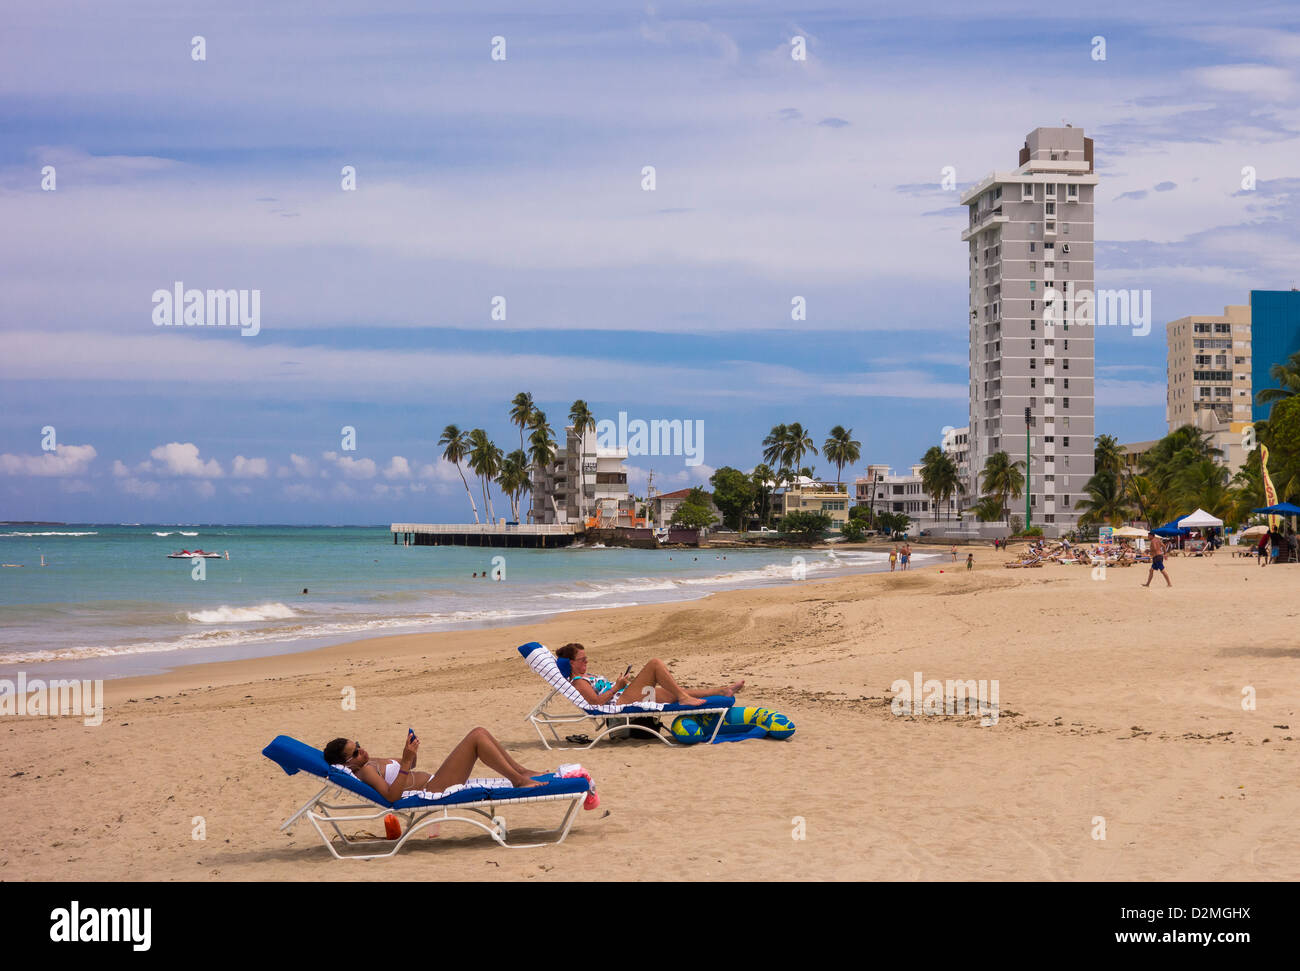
1255,530
1129,532
1281,509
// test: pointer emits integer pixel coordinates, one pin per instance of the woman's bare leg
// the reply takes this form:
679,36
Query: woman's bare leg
656,676
725,690
479,746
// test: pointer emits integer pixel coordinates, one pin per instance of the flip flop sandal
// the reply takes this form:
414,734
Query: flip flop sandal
578,739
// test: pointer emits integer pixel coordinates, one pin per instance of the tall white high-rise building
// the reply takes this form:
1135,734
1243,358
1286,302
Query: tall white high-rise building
1030,243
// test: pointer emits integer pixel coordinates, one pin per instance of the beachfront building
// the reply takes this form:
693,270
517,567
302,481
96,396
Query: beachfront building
1208,369
1030,255
956,445
661,507
883,490
815,497
584,485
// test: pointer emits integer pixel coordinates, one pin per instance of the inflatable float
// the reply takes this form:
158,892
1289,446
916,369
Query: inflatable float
738,724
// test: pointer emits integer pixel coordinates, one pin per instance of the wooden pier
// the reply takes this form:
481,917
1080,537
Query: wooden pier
523,536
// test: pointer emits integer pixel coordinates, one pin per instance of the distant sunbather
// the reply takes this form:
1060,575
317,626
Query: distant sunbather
391,777
653,682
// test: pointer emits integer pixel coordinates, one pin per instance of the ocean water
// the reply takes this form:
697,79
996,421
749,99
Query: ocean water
109,603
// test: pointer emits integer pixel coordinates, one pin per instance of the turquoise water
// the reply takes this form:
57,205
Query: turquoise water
109,603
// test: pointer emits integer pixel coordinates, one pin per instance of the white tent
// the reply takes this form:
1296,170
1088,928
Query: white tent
1199,520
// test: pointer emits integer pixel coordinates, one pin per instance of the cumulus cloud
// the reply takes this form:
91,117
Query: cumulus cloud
182,458
350,467
243,468
398,468
64,460
303,466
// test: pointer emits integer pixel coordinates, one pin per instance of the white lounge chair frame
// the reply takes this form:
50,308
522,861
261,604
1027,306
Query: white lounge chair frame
540,718
319,812
543,664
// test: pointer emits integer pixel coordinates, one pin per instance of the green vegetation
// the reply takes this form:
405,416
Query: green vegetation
733,494
807,526
694,512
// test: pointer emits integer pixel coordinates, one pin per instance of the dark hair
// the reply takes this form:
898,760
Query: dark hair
570,651
334,754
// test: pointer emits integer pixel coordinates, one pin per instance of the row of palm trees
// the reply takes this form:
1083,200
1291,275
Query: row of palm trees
513,472
786,445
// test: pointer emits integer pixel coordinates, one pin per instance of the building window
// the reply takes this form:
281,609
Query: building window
1071,190
1065,364
1033,285
1033,363
1066,441
1032,382
1065,227
1065,402
1066,384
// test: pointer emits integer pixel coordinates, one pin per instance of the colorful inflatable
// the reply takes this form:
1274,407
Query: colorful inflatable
738,724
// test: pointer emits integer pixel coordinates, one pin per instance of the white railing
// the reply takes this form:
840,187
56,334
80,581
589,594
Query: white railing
528,529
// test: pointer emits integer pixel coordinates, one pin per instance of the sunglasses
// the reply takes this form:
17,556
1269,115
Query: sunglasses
355,752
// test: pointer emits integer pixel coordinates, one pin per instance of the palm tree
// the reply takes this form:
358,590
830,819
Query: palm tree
485,461
1147,501
1287,375
1107,455
840,449
929,463
946,480
541,446
798,444
989,509
581,418
775,446
1105,502
455,444
513,479
521,413
1204,485
1003,478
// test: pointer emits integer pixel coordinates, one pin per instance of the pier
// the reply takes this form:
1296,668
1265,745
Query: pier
522,536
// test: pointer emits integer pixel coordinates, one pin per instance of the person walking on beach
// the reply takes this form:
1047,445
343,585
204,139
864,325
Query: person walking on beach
954,552
1157,561
893,559
1261,551
970,561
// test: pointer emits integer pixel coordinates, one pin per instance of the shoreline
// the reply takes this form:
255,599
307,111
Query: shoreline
112,666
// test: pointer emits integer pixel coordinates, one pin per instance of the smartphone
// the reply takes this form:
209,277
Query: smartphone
628,671
410,732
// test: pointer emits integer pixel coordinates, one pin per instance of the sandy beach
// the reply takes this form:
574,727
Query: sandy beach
1115,701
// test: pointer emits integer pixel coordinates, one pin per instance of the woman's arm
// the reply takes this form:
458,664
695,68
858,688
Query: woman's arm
600,698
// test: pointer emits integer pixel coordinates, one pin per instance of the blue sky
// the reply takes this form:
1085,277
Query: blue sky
522,178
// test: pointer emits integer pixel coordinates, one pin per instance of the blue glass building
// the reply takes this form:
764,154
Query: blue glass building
1274,337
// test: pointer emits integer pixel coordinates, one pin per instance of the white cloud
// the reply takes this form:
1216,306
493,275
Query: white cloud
1259,79
398,468
243,468
64,460
350,467
303,466
138,487
182,458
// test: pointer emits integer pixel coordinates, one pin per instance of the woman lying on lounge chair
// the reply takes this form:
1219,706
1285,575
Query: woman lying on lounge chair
652,683
391,777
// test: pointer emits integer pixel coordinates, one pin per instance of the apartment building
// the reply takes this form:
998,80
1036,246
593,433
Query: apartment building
1209,368
1030,254
584,484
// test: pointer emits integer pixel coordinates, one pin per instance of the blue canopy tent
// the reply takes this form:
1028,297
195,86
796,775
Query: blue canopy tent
1171,529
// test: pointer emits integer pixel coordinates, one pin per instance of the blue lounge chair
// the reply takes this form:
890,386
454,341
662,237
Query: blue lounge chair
556,673
482,797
